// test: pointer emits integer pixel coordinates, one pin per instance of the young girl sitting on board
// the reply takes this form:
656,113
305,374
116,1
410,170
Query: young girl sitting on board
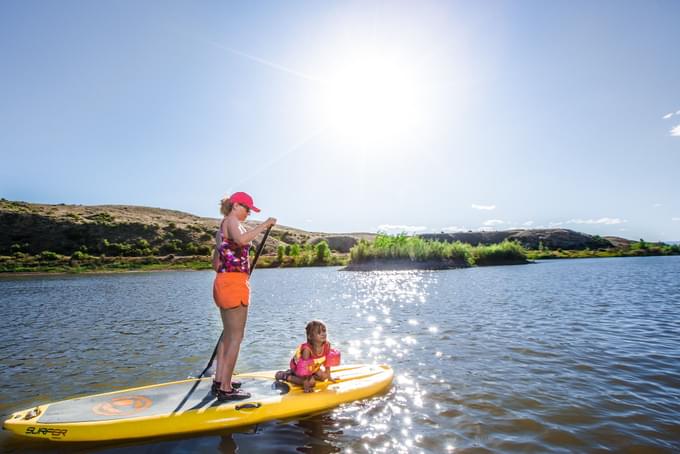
312,360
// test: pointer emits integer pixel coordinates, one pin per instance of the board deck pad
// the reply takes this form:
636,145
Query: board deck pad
154,401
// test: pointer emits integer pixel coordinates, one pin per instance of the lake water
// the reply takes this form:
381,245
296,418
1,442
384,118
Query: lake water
557,356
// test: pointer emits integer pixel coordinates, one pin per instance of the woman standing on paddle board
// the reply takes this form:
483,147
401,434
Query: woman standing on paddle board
231,289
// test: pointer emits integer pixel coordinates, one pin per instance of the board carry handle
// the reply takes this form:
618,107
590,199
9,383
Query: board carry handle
248,406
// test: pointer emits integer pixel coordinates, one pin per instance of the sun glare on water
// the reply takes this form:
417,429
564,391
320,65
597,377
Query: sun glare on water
373,99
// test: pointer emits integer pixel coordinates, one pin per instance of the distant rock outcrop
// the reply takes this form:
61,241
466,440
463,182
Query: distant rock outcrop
339,243
530,239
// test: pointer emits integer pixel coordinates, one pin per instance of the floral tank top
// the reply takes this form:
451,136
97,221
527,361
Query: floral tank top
233,258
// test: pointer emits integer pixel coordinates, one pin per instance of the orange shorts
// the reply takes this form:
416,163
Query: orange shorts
230,290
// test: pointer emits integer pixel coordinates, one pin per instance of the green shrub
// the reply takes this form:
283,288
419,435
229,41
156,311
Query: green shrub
323,252
171,247
102,218
413,248
507,251
115,249
48,255
417,249
196,249
303,259
79,255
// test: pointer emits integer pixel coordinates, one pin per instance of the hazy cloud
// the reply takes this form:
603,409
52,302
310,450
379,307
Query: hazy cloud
483,207
528,223
675,219
605,221
390,228
676,131
667,116
656,205
492,222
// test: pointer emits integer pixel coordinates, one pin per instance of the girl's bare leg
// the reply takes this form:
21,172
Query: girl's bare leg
309,384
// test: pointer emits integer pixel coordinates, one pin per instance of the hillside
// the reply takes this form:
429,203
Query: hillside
121,230
133,231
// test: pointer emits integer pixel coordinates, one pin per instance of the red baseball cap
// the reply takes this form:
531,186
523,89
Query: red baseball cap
244,199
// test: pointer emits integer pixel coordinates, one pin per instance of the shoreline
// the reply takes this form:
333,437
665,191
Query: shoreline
374,265
430,265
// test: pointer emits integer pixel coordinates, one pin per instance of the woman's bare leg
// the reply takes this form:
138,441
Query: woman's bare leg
234,322
219,367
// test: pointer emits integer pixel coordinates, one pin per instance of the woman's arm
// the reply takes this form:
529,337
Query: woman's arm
243,238
215,259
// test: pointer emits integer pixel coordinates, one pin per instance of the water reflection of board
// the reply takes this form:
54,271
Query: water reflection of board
188,406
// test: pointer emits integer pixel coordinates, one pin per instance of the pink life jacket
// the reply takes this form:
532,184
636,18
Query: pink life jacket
305,367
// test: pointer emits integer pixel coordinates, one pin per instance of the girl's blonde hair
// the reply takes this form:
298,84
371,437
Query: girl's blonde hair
313,326
226,206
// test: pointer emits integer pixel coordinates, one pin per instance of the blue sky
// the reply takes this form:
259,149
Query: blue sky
351,116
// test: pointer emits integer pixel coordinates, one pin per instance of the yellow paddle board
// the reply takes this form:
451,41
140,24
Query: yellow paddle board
188,406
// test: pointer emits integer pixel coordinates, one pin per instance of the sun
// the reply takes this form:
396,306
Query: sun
373,99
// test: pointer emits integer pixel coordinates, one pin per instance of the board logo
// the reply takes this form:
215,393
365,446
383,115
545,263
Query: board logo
122,406
46,432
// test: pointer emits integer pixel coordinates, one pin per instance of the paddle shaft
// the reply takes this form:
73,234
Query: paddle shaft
258,251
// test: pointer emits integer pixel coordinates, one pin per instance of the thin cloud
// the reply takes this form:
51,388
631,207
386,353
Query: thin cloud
676,131
667,116
605,221
528,223
492,222
657,205
675,219
483,207
391,228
